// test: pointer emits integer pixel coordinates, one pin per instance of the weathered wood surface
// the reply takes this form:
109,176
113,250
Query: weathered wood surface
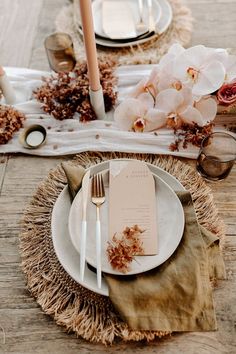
24,328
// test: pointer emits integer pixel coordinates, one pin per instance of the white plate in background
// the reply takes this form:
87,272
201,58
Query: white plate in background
161,26
133,7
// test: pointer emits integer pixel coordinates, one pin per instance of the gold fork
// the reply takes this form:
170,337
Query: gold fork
98,198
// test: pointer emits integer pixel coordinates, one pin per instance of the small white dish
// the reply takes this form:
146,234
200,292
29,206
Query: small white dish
170,225
64,249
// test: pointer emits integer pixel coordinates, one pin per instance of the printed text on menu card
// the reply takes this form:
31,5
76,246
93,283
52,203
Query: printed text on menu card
132,201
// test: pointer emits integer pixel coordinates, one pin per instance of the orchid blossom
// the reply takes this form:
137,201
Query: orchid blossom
166,69
228,61
178,108
178,90
147,86
138,115
230,68
199,68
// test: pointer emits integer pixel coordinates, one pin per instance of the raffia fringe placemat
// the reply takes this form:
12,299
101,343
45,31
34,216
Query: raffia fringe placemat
150,52
90,315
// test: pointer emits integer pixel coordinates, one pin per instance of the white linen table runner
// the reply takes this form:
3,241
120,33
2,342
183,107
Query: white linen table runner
70,136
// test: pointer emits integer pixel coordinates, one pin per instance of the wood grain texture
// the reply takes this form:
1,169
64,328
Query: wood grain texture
45,27
214,24
24,328
19,24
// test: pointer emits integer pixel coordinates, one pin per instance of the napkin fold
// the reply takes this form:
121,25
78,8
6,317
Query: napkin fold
74,175
176,296
117,19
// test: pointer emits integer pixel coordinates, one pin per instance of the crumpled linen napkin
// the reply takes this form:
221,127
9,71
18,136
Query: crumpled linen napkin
176,296
74,175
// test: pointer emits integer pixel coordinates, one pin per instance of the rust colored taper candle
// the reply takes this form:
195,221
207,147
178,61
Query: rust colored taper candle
96,93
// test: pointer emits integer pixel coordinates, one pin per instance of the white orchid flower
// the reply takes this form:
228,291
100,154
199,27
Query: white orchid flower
230,68
147,85
200,68
168,80
166,69
178,107
228,61
138,115
167,59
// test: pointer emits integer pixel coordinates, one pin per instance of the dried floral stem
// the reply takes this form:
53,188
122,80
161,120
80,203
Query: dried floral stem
64,94
11,121
123,248
193,134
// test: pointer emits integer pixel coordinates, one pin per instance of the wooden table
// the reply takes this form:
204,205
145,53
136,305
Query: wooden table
24,328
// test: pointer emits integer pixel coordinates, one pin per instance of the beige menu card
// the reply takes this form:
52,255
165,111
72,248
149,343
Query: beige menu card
118,19
132,201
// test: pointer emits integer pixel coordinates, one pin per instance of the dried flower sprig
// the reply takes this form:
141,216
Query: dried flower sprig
122,249
64,94
190,134
11,121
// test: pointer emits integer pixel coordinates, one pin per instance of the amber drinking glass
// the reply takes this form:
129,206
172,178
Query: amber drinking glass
216,156
60,52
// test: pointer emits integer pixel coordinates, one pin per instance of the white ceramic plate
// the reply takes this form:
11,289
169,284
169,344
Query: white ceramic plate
161,26
133,4
170,225
64,249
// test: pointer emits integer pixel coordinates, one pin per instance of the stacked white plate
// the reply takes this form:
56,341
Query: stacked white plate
66,223
162,15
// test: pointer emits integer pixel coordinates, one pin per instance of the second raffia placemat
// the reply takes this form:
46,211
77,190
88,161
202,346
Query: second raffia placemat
150,52
90,315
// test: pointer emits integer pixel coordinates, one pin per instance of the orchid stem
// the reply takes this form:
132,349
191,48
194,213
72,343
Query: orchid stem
154,98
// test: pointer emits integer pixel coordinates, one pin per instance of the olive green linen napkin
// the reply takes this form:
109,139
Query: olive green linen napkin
176,296
74,175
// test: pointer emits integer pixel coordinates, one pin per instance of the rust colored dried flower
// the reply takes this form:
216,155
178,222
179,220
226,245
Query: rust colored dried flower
123,248
193,134
64,94
10,121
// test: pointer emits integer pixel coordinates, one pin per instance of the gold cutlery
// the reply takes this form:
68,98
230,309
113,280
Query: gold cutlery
98,198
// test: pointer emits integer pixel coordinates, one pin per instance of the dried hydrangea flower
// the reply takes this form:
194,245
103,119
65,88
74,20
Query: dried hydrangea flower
64,94
122,249
11,121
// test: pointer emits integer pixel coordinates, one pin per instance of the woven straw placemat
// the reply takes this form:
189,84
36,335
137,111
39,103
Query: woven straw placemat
88,314
150,52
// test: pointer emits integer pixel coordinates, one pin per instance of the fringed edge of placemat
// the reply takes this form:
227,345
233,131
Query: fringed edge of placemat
79,310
